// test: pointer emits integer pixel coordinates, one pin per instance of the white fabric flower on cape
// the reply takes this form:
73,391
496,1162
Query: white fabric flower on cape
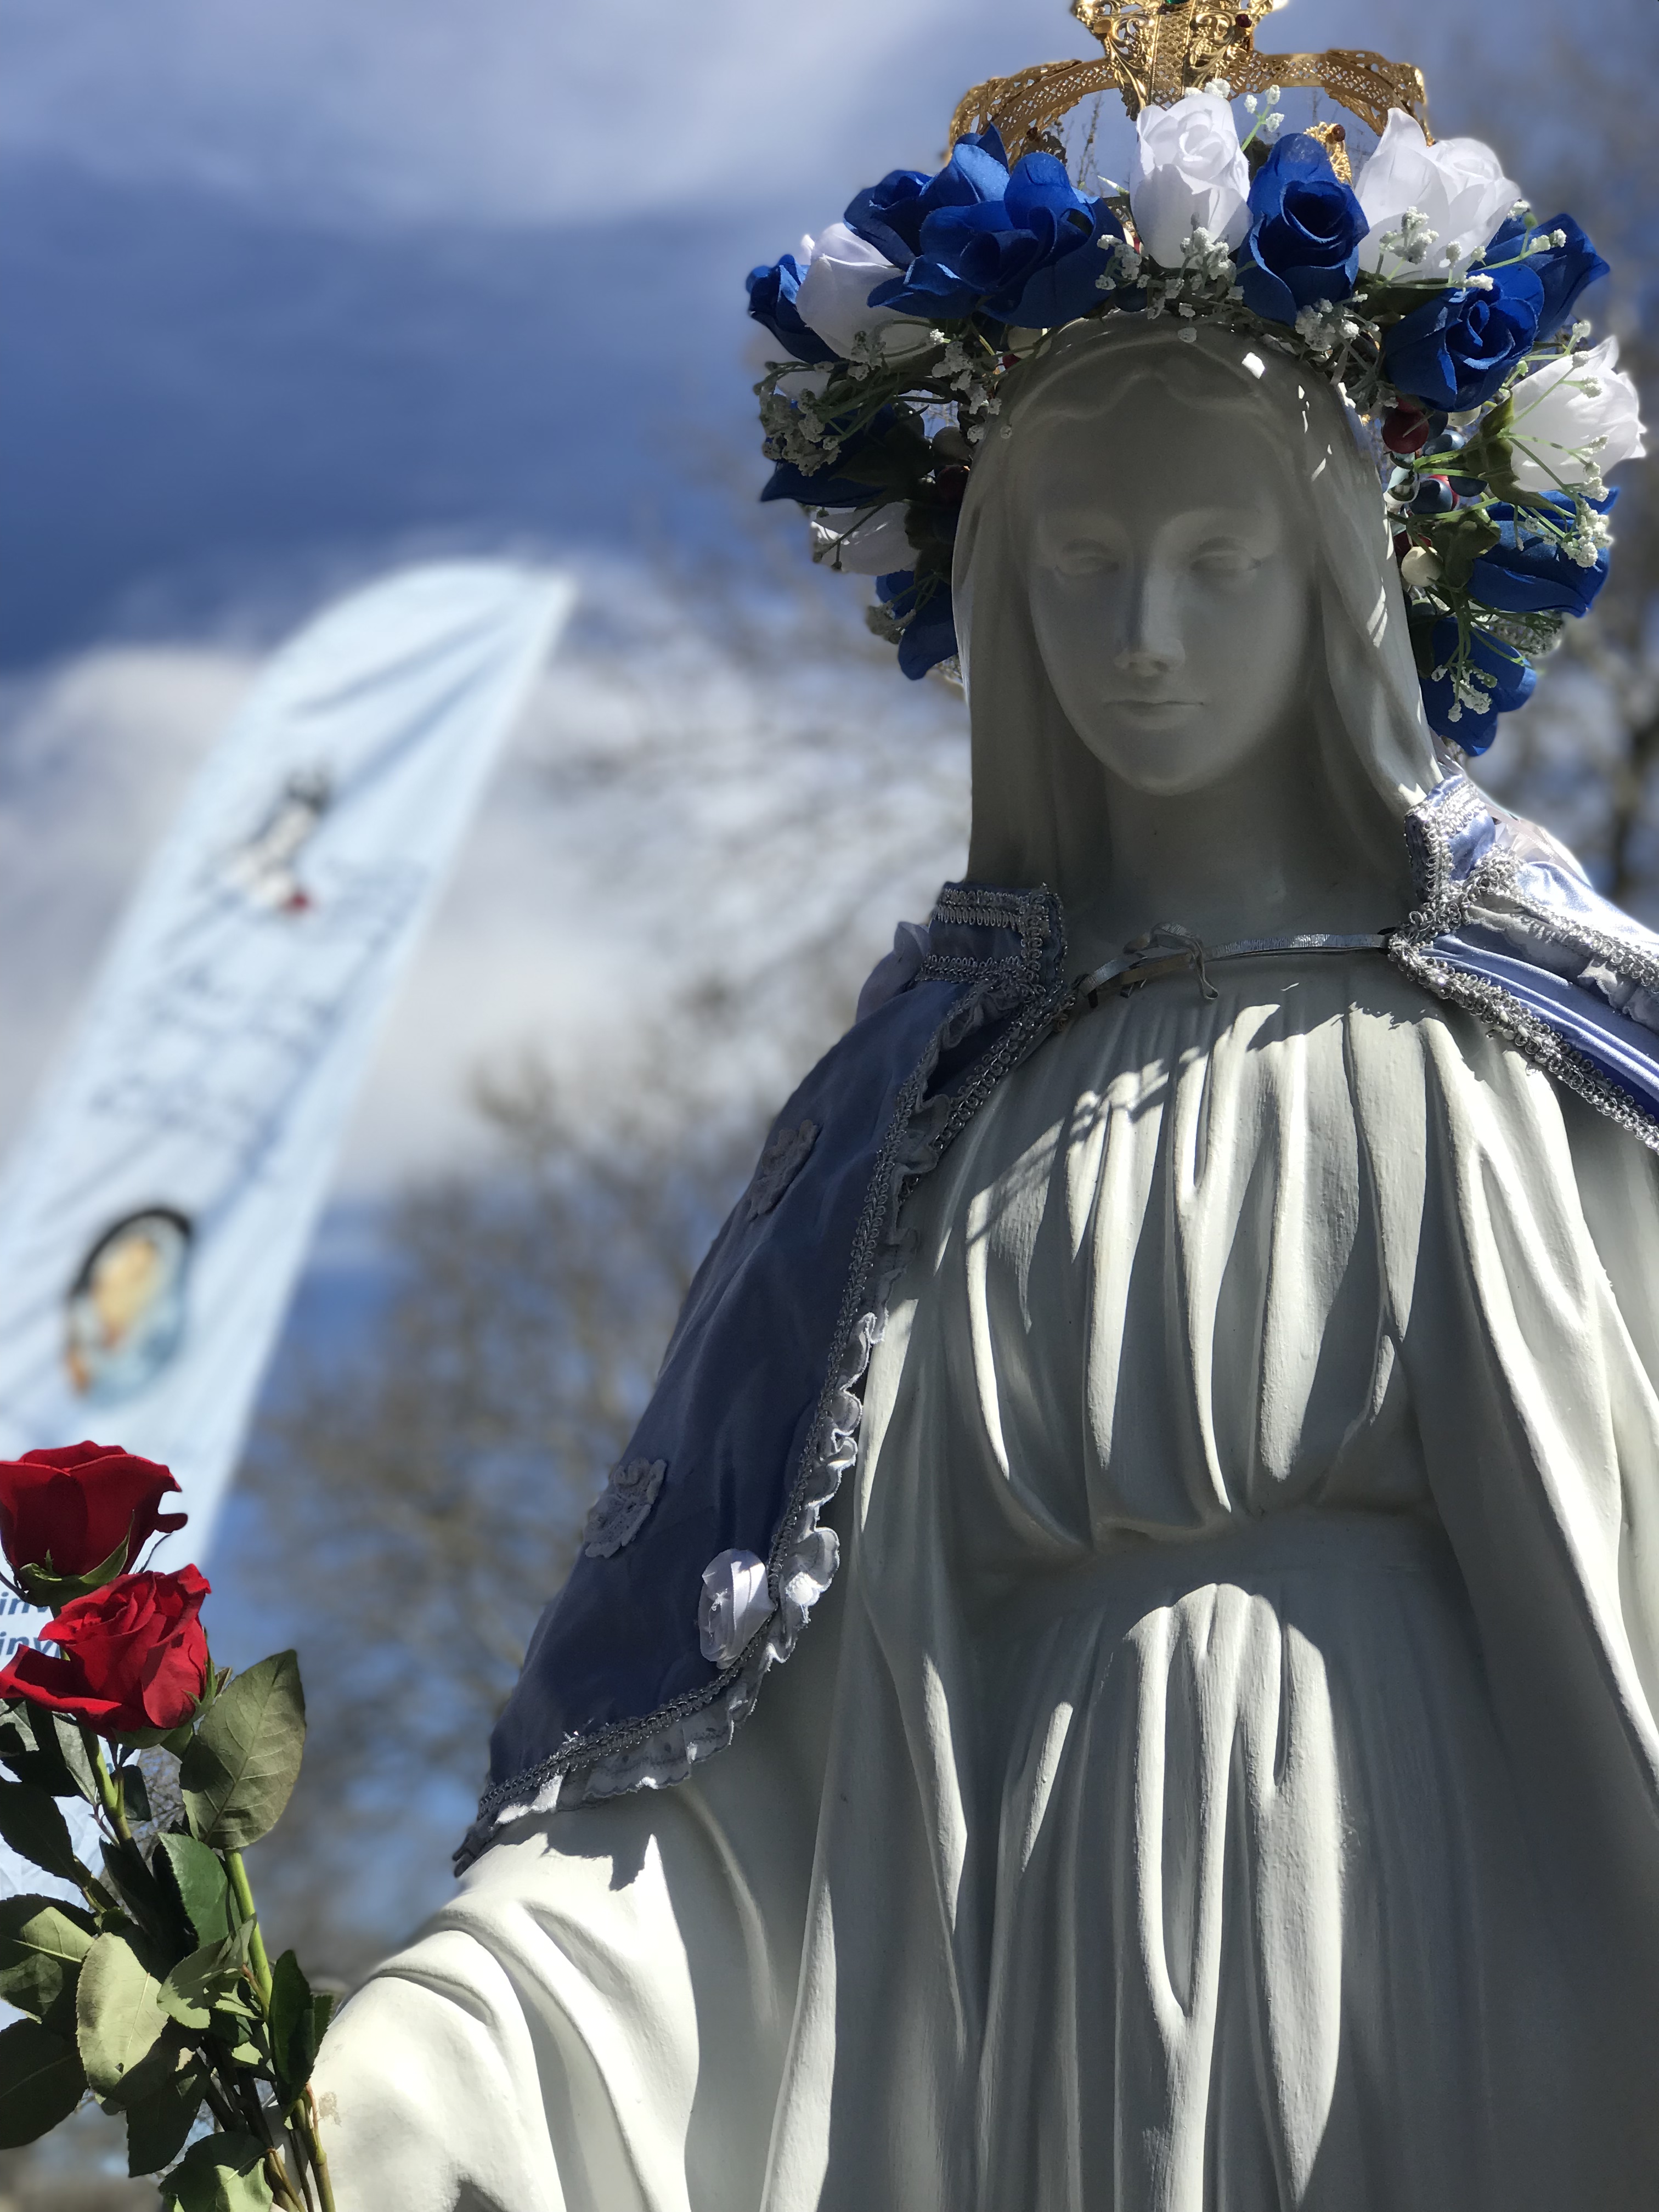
1457,183
834,299
1188,167
1574,419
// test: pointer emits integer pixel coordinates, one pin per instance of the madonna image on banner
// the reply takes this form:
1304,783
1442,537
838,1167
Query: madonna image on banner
124,1314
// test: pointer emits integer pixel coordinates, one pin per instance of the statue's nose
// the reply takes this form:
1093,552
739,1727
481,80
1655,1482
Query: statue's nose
1150,643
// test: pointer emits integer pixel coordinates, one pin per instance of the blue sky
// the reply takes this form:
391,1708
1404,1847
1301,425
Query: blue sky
289,281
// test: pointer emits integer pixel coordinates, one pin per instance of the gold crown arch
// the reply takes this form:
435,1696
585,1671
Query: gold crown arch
1157,49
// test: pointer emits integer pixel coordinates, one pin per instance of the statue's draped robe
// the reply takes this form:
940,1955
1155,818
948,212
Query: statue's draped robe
1222,1776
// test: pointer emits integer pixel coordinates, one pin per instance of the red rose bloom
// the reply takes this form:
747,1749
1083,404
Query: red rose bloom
65,1511
135,1656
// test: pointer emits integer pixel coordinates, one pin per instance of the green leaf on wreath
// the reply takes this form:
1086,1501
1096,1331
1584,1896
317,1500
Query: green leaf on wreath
157,2125
31,1824
197,1876
40,2082
128,2045
1460,543
241,1771
219,2174
42,1943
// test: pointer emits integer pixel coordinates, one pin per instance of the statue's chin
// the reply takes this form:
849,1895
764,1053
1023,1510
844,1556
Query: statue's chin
1168,748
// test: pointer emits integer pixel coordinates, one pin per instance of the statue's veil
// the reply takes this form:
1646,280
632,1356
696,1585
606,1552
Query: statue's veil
1039,812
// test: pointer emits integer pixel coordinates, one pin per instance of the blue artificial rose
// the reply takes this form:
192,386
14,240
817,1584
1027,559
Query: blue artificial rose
890,216
925,608
1528,573
1563,270
1455,352
772,303
873,213
1030,257
1305,231
1513,676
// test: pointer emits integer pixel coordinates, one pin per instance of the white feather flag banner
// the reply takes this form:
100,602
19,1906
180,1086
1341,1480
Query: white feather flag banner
157,1210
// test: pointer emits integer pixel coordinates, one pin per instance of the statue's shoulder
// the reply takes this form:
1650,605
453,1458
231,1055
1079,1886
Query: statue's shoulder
1506,924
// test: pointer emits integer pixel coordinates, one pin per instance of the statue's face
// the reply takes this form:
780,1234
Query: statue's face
1170,590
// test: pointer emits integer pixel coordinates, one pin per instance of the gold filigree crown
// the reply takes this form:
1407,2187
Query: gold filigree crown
1154,51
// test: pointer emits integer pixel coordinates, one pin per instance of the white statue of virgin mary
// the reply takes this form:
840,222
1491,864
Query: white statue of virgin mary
1224,1774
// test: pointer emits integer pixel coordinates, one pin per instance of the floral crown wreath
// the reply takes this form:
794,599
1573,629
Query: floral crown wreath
1422,287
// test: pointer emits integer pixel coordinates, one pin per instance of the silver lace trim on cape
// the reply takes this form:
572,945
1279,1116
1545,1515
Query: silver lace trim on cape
1623,971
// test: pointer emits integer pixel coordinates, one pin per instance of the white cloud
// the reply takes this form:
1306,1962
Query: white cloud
502,109
543,110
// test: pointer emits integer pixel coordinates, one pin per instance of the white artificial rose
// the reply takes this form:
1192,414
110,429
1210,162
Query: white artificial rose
874,547
1188,167
1458,184
1574,420
834,299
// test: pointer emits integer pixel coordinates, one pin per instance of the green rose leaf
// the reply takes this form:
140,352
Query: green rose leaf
135,1886
71,1748
60,1743
135,1798
31,1824
241,1770
28,1744
219,2174
40,2082
195,1877
128,2045
208,1981
158,2125
42,1944
293,2026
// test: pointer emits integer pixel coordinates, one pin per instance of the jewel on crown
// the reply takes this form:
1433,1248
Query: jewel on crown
1417,281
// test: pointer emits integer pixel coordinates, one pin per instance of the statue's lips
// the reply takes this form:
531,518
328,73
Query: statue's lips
1129,706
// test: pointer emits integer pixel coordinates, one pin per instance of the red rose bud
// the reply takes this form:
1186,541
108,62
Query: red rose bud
1405,430
77,1514
134,1656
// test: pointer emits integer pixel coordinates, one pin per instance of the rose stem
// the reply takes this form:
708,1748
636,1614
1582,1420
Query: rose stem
259,2126
314,2141
308,2159
241,1890
109,1794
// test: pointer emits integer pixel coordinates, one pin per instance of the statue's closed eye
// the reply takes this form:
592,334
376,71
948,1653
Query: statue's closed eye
1226,561
1085,557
